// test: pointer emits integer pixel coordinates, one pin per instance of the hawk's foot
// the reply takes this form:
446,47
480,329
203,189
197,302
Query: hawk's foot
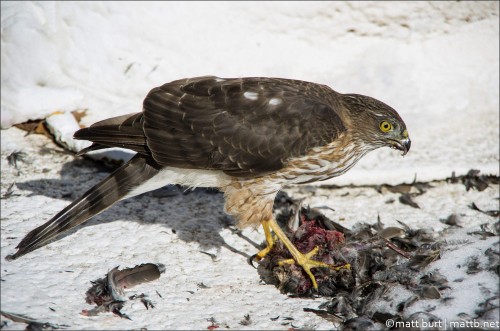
305,261
270,239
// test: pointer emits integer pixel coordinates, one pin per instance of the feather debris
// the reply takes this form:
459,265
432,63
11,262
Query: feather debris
107,292
473,180
383,260
16,156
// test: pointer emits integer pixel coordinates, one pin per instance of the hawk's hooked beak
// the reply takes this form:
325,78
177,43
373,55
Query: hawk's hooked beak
402,145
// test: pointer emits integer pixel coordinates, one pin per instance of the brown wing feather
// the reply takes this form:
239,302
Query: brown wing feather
245,127
123,131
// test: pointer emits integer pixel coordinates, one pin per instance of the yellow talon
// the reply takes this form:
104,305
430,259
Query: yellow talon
270,239
304,260
344,266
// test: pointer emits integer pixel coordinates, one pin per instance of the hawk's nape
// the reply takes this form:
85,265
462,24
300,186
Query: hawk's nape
246,136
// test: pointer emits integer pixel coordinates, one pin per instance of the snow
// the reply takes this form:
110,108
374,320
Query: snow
63,126
437,63
453,265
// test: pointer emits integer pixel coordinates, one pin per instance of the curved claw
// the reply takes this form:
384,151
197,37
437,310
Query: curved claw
250,260
270,244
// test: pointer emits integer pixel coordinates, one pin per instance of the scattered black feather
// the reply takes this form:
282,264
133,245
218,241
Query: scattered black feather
381,259
489,310
15,157
473,266
202,285
246,320
107,292
341,306
485,232
435,279
358,324
493,254
143,297
401,188
407,303
10,191
428,292
419,261
452,220
382,317
147,303
492,213
407,200
407,191
475,181
325,314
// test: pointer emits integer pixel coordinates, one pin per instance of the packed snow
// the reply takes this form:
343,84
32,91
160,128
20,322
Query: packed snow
436,63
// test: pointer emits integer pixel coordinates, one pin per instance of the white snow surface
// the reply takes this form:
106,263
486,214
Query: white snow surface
174,229
436,63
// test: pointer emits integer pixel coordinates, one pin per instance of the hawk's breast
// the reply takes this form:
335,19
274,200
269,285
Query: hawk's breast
325,162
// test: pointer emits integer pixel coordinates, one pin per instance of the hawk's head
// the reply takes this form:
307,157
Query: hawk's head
377,124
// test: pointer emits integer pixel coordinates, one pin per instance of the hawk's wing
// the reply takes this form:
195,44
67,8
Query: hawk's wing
245,127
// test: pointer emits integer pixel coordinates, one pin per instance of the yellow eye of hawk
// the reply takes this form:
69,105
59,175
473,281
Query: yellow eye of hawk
385,126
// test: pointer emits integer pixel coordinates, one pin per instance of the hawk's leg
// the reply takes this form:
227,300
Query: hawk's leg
304,260
270,239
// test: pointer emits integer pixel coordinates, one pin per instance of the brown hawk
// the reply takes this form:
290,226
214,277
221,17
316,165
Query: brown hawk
246,136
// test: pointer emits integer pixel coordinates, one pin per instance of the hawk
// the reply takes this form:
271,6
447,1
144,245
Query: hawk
248,137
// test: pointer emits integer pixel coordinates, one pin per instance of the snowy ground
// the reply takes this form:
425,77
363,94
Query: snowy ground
173,228
437,63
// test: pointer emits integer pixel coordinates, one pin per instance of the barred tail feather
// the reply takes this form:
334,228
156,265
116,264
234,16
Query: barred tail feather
112,189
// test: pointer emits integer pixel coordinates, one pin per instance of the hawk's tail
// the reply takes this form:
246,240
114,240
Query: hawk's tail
124,131
115,187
